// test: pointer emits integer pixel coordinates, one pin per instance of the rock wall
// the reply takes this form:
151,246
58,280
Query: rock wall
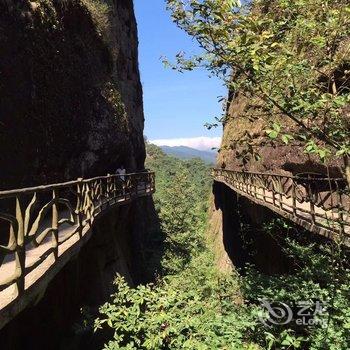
245,124
71,106
230,210
71,97
239,238
246,147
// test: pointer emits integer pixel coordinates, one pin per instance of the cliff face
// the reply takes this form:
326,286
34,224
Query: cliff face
246,145
71,106
237,235
71,98
246,124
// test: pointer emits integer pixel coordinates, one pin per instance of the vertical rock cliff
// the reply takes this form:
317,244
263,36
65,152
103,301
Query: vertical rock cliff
71,106
245,147
71,98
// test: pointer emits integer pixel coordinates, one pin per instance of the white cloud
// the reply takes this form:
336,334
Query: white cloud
201,143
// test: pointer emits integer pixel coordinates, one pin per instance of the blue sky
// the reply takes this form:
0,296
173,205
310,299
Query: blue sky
176,105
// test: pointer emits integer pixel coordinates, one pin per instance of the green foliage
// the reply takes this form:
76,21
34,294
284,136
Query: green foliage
321,272
99,11
273,133
201,308
181,200
192,305
195,309
289,58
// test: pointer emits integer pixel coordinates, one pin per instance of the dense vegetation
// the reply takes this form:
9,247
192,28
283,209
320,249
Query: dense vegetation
181,202
192,305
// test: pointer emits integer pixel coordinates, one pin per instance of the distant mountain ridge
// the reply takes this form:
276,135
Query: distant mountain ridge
184,152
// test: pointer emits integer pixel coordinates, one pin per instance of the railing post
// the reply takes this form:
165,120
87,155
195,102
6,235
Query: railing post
100,194
281,190
136,180
153,183
311,198
114,188
273,191
294,198
54,225
312,209
341,212
108,189
20,254
126,186
255,188
80,206
91,191
264,192
136,184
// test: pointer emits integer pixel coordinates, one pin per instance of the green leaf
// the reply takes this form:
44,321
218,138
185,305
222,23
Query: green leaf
272,134
287,138
276,127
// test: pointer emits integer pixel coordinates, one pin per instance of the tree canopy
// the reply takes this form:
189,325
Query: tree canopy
289,57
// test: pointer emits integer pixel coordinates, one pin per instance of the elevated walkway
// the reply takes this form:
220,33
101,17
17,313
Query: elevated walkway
43,227
320,205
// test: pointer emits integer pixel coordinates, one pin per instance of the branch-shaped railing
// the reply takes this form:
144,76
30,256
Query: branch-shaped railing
320,204
44,222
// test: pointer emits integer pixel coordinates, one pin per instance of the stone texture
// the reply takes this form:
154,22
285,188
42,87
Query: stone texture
71,106
275,157
71,97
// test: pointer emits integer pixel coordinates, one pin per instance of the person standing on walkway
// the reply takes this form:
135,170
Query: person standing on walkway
121,172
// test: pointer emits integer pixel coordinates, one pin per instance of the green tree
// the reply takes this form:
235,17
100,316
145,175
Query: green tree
181,200
192,305
290,58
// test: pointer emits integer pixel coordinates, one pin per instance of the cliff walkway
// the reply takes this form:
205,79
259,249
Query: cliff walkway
320,205
43,227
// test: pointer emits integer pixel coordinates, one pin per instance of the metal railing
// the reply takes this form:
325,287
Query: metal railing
320,204
46,221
